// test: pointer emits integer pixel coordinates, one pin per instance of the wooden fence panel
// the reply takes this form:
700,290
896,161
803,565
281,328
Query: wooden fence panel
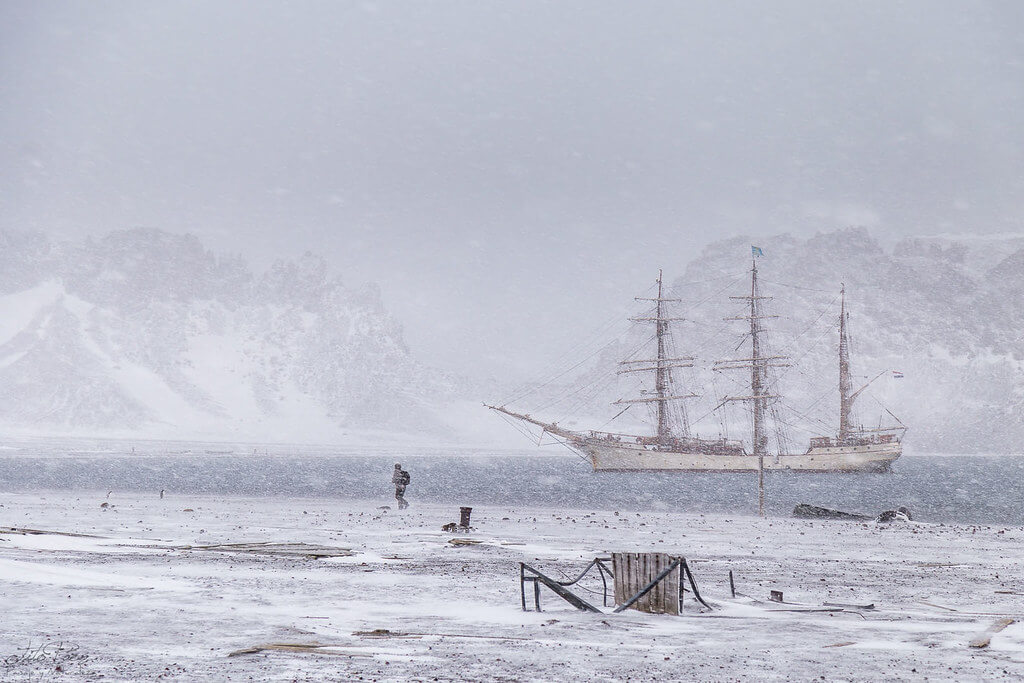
634,571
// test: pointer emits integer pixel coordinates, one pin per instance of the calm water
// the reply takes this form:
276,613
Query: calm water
976,489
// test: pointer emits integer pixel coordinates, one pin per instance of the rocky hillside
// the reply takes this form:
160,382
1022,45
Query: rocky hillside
144,332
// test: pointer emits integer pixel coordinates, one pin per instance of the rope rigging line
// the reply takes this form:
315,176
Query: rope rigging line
799,428
807,289
807,329
535,388
617,415
526,432
824,425
532,388
595,385
598,335
883,407
710,279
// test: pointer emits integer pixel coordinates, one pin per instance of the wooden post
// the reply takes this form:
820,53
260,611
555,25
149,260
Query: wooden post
760,484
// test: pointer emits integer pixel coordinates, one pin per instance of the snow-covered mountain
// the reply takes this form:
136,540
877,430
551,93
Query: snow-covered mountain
142,332
947,313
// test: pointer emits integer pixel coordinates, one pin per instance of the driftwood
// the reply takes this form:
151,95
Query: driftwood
848,605
985,637
41,532
304,550
314,648
464,541
388,633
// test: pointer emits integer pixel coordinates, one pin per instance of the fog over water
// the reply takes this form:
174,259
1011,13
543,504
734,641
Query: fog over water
509,173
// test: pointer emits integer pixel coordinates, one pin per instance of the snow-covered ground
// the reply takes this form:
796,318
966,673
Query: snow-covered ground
128,603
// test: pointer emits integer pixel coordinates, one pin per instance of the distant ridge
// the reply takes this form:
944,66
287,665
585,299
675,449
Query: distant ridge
143,332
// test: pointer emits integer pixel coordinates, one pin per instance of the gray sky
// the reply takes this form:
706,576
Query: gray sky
509,172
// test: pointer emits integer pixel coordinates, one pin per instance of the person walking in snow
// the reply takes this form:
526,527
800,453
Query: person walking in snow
400,479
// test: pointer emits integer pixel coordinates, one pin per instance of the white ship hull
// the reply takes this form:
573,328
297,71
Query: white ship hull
620,457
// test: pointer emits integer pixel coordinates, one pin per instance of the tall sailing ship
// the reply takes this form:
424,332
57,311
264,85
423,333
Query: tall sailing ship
851,449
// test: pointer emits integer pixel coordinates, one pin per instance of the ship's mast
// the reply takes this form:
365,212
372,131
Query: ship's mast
757,372
661,366
660,372
758,365
845,399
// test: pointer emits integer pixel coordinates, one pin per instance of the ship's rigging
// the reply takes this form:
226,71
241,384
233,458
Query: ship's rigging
758,363
760,398
661,366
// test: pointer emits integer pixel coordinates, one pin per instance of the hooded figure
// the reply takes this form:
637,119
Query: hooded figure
400,479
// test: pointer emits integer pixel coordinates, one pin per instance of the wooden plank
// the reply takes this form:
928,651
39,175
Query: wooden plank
658,594
645,573
627,573
644,604
985,637
650,562
672,588
615,577
618,579
659,598
631,576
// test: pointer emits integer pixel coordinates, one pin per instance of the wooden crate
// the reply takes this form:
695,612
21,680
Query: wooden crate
634,571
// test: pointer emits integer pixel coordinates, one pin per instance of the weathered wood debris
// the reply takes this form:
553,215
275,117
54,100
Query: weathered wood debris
41,532
985,637
314,648
303,550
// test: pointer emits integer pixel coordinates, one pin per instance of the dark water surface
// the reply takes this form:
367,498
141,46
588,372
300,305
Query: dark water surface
967,489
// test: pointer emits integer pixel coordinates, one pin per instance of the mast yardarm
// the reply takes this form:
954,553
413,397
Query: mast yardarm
661,366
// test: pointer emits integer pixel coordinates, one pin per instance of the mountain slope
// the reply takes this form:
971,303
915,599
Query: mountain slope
144,332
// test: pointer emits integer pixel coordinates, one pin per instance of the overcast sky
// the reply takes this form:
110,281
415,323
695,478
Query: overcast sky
509,172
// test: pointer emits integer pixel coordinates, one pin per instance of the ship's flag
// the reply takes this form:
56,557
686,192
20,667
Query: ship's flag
756,251
897,374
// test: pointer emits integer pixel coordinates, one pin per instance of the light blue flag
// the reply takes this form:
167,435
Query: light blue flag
756,251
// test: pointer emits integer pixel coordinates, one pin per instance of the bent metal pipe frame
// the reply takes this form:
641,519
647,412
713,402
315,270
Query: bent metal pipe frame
528,574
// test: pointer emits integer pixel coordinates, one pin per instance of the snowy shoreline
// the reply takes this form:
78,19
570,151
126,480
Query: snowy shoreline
135,604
